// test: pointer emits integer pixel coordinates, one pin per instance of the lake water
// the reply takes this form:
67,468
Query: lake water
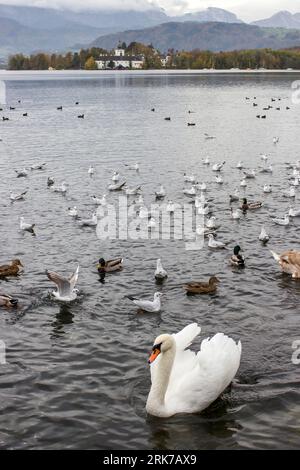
76,376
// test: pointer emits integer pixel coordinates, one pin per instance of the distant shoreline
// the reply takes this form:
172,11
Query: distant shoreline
75,74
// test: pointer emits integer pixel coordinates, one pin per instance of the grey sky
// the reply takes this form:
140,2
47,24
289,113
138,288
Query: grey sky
246,9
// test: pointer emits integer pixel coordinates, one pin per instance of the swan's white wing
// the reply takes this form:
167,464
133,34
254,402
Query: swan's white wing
197,380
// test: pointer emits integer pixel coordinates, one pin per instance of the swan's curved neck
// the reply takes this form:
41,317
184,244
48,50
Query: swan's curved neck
160,382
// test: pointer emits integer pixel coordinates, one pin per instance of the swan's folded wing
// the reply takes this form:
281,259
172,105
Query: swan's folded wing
206,375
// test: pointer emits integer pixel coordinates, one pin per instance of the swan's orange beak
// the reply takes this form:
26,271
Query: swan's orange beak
153,355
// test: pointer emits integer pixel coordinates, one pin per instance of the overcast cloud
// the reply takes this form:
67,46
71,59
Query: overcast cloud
246,9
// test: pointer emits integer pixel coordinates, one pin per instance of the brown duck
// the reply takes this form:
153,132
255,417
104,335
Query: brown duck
12,269
202,287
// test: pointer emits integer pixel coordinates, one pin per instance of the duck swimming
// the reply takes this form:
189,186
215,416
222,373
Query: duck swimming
8,301
237,259
202,287
250,205
12,269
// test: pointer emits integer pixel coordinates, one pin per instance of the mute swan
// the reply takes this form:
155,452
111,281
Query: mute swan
185,382
289,262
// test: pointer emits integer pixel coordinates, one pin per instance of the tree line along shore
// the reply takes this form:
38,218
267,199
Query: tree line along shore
86,59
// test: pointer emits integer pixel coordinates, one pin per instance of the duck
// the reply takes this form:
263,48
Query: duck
264,237
110,266
250,205
25,227
212,243
161,193
202,287
160,273
12,269
183,381
267,188
293,212
284,221
17,197
237,259
148,305
289,262
65,291
8,301
218,166
50,181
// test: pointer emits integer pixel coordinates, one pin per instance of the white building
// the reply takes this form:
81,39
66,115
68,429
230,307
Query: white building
119,60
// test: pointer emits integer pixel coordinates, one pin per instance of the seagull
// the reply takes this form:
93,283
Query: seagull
17,197
133,191
243,183
72,211
293,212
190,192
143,212
99,201
249,174
151,223
207,136
170,207
239,165
117,186
267,188
295,182
236,214
219,179
284,221
160,273
206,161
26,227
91,170
264,237
211,223
267,169
291,193
60,189
147,305
275,140
38,166
21,173
115,177
212,243
202,187
89,222
218,166
160,194
189,178
264,157
204,210
66,291
234,197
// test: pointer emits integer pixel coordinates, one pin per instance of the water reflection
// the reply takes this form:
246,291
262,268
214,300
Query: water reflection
63,317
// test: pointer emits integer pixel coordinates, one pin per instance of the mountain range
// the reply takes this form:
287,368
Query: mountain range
33,29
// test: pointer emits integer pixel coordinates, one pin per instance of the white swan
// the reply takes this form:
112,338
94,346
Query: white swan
186,382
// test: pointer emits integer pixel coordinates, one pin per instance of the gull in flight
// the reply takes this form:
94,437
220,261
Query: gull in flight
66,291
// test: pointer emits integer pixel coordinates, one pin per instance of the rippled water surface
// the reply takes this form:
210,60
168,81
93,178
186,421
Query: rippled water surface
77,376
